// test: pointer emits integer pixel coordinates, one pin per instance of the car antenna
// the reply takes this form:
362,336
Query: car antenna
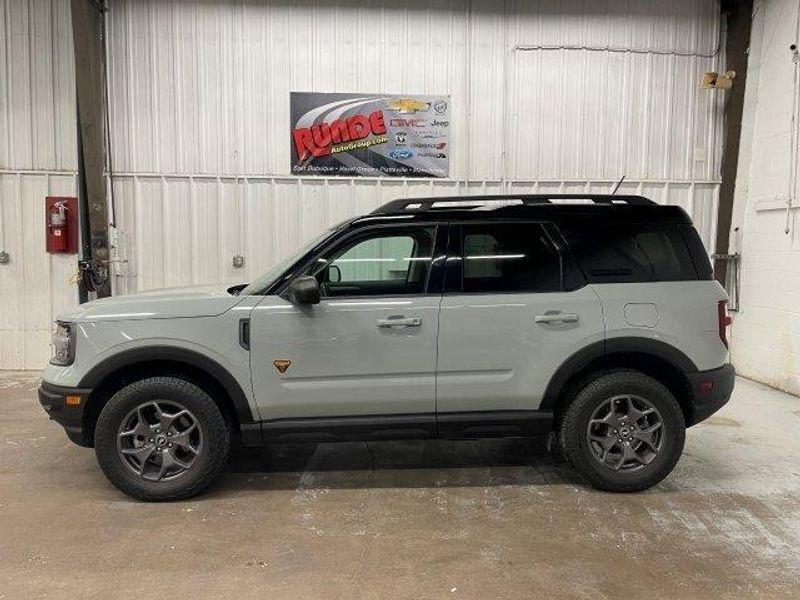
619,183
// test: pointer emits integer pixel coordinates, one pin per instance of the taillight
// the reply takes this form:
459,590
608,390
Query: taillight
724,320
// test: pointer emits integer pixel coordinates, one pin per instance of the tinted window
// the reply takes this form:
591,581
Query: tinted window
508,257
630,252
379,264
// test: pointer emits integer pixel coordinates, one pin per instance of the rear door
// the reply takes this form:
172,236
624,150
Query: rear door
511,315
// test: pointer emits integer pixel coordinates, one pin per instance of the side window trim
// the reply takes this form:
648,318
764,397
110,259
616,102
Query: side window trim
454,263
364,233
697,252
572,277
436,273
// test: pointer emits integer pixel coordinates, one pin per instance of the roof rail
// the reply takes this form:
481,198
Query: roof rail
488,202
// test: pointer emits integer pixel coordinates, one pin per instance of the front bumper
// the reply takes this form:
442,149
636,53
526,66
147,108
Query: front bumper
66,406
711,390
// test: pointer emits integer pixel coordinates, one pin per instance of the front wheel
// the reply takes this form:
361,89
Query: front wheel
161,438
624,432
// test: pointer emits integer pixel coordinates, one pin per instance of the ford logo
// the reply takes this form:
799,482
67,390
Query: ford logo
401,154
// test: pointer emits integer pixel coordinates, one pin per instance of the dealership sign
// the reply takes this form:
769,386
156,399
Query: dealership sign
371,136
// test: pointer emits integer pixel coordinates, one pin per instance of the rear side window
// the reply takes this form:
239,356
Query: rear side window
628,253
508,257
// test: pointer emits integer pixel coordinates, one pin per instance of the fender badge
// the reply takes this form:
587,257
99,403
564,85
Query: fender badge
282,365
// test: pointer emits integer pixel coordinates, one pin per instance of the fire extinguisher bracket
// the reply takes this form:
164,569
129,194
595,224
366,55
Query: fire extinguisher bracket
61,224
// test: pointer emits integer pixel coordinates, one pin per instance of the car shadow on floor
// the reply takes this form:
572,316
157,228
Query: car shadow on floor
412,464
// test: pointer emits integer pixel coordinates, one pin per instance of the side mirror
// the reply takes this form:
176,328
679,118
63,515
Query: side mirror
334,274
304,290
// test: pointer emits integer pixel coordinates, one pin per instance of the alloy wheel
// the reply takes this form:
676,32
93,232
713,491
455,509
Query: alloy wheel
159,440
625,433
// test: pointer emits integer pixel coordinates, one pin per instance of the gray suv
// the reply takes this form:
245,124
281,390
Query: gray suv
591,318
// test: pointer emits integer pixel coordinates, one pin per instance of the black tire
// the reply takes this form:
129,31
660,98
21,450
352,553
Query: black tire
208,462
594,393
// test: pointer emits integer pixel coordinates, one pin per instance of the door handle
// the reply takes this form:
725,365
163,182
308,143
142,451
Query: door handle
399,321
556,318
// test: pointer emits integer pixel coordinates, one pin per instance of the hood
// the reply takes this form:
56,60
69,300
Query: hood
168,303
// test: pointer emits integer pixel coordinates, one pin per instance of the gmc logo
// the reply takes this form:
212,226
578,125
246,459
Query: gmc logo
401,122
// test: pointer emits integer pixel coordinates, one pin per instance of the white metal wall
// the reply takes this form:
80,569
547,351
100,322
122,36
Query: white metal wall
37,158
766,330
546,96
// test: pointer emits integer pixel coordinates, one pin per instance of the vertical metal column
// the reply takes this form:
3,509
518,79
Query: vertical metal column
739,14
87,36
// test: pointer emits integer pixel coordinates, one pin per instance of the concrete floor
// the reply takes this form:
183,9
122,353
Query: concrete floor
494,519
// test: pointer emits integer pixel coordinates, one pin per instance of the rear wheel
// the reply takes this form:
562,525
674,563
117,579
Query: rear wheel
161,438
624,432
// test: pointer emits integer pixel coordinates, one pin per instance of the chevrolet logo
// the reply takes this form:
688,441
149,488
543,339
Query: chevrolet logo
408,106
282,365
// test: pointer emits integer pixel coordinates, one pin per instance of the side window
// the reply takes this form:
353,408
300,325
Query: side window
630,253
385,263
509,257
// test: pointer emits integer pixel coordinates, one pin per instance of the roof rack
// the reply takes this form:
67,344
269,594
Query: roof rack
489,202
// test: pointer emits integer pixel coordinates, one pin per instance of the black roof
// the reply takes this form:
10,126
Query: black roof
556,207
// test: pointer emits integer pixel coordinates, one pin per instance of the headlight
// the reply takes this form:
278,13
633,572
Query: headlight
63,342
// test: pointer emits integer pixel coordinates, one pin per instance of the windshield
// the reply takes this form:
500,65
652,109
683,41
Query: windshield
258,284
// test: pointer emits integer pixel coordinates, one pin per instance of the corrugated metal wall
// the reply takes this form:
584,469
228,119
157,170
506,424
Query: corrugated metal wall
550,96
545,96
37,158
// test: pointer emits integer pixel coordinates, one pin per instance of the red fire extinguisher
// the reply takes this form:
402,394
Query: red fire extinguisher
57,226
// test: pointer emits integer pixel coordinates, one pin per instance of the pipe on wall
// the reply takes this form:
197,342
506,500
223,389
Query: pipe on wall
508,63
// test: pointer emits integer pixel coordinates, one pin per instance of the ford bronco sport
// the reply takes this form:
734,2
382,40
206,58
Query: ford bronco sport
591,318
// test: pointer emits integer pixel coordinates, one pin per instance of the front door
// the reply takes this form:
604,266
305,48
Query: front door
369,347
508,321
